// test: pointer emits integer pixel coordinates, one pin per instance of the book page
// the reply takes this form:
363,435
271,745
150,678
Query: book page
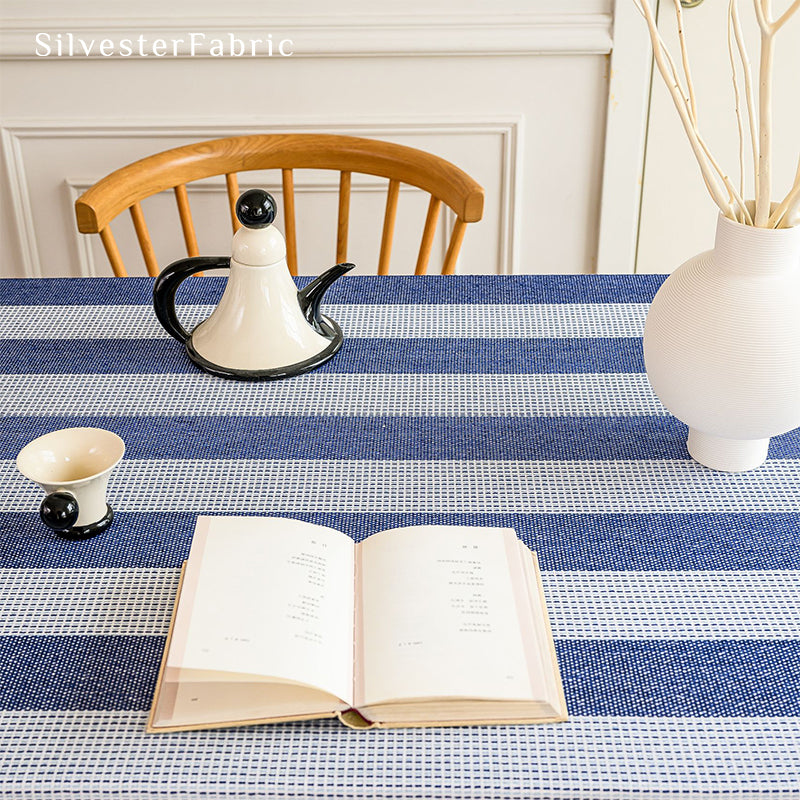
540,646
270,597
439,616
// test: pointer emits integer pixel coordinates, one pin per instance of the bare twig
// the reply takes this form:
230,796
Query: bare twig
737,102
784,18
764,196
685,59
682,106
761,16
682,100
786,212
760,124
733,195
748,88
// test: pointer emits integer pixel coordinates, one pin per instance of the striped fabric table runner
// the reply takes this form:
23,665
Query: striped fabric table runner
674,591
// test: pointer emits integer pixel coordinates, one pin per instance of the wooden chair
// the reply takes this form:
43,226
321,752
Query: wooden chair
173,169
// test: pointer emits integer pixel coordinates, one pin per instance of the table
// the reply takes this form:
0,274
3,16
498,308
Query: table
674,591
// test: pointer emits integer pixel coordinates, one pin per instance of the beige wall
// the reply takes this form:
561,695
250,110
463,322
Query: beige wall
514,93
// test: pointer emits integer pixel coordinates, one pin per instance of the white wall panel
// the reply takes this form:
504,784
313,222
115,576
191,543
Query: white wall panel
516,98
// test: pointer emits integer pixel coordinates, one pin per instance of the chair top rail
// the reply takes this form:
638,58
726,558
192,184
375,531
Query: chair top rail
130,184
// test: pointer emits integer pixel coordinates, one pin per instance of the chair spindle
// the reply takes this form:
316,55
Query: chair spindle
427,236
388,227
232,183
457,236
344,217
444,184
112,251
187,225
143,235
289,220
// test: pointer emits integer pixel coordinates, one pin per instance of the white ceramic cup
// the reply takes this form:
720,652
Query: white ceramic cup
73,465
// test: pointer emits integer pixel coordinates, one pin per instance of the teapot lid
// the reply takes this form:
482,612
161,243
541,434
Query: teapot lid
257,243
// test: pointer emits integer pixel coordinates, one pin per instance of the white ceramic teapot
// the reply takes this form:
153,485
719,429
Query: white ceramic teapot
263,327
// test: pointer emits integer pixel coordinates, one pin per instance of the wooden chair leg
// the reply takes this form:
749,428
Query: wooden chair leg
232,185
187,224
449,266
388,227
427,236
344,217
143,235
112,251
289,220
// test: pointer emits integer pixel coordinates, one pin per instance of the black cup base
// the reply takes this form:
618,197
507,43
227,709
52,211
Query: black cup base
80,532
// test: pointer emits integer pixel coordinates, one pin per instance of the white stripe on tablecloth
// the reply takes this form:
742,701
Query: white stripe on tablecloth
736,604
112,602
80,754
572,320
470,395
231,486
759,604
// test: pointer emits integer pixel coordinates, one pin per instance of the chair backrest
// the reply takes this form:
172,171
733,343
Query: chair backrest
173,169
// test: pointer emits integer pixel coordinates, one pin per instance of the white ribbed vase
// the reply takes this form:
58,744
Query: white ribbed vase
722,344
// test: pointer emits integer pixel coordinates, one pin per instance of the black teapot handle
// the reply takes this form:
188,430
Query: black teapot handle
167,284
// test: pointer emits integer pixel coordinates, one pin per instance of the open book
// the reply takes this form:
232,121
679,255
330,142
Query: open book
280,620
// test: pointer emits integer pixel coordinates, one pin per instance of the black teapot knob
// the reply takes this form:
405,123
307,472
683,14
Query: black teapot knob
256,208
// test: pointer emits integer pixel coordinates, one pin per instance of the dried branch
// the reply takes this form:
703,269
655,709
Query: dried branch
764,195
686,98
737,101
683,109
708,165
760,124
761,16
685,59
790,215
787,213
733,11
691,102
784,18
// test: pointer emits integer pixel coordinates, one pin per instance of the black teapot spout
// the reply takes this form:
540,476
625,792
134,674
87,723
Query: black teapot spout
310,297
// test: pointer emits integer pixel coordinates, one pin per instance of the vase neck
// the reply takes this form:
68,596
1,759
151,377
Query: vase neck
747,250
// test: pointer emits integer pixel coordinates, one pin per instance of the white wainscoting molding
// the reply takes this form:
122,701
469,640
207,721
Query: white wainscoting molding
21,203
372,34
14,133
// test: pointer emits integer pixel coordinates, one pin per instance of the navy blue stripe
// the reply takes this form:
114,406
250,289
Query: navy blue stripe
681,678
601,678
393,438
419,356
562,541
70,673
356,289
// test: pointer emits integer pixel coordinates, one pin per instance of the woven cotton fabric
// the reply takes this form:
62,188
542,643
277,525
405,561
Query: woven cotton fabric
673,591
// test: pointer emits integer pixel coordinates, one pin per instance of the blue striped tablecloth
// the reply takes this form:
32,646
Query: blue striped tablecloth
674,591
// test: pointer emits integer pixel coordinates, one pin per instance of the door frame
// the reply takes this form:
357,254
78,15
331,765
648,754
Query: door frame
630,82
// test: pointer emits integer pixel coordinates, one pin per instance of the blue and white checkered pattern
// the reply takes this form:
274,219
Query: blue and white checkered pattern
674,591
